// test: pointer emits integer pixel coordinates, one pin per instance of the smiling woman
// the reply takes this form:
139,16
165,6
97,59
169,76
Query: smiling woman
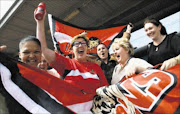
30,51
165,47
78,72
128,65
171,23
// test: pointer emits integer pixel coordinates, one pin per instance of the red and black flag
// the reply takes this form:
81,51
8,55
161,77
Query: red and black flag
26,89
62,33
154,91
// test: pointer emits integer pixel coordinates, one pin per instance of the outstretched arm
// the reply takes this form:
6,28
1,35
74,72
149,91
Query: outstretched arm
170,62
49,54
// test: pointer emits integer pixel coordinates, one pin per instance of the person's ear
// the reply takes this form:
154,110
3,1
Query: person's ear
159,27
128,51
19,55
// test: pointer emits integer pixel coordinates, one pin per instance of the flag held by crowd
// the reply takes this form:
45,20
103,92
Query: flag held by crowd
28,89
62,33
22,94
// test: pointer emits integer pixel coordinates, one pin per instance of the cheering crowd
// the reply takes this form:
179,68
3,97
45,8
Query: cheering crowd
112,70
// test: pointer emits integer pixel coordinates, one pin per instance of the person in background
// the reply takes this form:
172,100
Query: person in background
107,61
30,51
43,65
128,65
107,64
80,73
165,47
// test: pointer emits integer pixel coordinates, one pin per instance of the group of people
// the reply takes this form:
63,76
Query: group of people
89,76
163,50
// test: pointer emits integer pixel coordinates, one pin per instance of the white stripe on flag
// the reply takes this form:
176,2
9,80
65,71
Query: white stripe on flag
18,94
82,108
62,38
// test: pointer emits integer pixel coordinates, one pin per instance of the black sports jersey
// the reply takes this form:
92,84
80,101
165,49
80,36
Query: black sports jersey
108,69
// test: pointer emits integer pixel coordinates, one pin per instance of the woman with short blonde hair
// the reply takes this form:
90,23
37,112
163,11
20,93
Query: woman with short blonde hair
128,65
124,42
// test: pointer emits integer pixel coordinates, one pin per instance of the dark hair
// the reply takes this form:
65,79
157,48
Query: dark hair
156,23
106,48
102,44
29,38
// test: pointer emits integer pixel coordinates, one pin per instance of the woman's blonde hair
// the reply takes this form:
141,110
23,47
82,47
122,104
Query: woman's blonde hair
83,36
124,43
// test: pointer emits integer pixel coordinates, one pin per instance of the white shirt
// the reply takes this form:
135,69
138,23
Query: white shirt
119,72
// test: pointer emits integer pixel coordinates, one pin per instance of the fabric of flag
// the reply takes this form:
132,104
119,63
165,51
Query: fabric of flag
23,95
152,92
62,33
29,90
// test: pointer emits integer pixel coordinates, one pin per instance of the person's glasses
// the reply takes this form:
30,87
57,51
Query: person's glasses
83,43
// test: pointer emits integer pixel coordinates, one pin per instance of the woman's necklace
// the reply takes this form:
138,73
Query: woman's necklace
157,48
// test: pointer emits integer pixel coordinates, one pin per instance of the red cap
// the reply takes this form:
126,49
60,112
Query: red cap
42,5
